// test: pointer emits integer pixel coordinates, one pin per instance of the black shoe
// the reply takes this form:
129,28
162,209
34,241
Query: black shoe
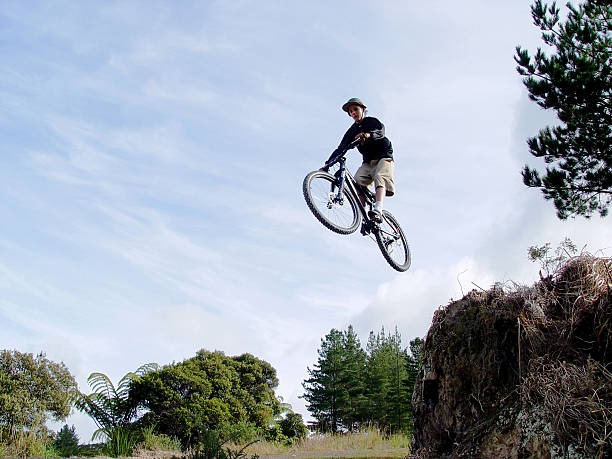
375,215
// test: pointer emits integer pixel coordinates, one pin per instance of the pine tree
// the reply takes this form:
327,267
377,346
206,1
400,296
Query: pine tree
388,381
67,441
323,390
575,83
400,395
413,360
353,411
349,387
377,378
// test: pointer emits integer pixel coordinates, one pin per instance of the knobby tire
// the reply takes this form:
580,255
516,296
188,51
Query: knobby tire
393,243
341,218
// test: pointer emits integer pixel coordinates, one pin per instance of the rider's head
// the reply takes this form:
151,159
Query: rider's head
355,108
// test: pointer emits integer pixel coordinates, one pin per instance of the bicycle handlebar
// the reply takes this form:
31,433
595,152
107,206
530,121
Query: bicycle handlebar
333,161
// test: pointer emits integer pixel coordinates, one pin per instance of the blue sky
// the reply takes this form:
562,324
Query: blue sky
152,156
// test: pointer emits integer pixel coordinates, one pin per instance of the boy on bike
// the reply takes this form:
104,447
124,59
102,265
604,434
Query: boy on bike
377,154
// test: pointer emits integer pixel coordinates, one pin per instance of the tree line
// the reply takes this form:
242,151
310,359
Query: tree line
211,394
350,387
208,396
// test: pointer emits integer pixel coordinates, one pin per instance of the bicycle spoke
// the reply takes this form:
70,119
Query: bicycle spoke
336,211
392,243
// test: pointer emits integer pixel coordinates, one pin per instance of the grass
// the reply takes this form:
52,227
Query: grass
26,444
368,442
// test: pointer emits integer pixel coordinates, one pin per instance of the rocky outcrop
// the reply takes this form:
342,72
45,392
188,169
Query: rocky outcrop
521,372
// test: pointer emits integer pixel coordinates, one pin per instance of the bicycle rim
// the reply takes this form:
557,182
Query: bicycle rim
392,243
339,214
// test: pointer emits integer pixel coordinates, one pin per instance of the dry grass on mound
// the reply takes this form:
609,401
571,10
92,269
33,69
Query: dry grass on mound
568,332
572,308
580,397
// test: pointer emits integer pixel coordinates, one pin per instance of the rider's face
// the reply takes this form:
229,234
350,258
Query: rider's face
356,112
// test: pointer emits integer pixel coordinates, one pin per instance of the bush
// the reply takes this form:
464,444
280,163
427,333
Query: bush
275,435
151,441
66,443
212,447
239,433
91,450
121,442
293,426
27,444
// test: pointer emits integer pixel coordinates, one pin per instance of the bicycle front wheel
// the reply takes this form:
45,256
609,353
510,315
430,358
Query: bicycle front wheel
338,212
392,243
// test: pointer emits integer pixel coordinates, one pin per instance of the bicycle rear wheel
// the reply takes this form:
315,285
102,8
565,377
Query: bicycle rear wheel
338,213
392,243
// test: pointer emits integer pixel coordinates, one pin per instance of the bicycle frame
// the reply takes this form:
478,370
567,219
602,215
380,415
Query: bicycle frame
345,178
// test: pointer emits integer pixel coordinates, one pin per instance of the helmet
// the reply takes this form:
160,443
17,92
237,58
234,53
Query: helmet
353,101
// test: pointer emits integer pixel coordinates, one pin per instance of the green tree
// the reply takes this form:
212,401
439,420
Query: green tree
324,390
292,426
111,408
416,349
32,389
190,399
67,441
574,82
349,387
388,389
353,402
414,359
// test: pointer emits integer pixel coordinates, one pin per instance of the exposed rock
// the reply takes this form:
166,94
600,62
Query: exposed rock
521,372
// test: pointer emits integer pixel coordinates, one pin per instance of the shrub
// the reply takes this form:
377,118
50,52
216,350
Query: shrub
152,441
212,447
293,426
121,442
66,443
27,444
239,433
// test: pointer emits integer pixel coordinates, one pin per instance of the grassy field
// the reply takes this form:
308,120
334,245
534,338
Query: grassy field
366,443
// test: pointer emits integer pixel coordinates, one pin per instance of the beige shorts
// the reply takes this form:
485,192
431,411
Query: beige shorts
379,171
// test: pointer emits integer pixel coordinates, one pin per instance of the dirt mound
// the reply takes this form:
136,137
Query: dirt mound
521,372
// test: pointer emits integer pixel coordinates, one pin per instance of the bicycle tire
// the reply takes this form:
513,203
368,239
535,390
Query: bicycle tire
343,217
392,243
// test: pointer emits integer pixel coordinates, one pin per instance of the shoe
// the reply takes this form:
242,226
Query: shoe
375,215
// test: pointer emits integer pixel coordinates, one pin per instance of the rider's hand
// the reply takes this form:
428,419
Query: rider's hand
362,136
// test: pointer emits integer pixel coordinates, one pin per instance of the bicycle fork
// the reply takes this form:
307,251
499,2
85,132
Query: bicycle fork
337,197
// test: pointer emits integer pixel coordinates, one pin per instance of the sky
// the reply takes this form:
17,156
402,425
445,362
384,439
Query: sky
151,163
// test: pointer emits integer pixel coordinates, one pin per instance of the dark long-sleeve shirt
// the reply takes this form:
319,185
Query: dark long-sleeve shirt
375,147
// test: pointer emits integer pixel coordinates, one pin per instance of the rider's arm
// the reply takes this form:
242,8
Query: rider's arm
374,127
346,140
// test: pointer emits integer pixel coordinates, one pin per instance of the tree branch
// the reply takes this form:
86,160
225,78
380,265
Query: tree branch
575,189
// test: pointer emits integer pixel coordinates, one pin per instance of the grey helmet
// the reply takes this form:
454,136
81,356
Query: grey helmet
353,101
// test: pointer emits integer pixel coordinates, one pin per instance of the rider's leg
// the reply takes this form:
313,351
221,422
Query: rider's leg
376,212
364,178
380,194
383,182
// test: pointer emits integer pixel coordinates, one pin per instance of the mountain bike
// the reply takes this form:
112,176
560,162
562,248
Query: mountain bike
334,199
